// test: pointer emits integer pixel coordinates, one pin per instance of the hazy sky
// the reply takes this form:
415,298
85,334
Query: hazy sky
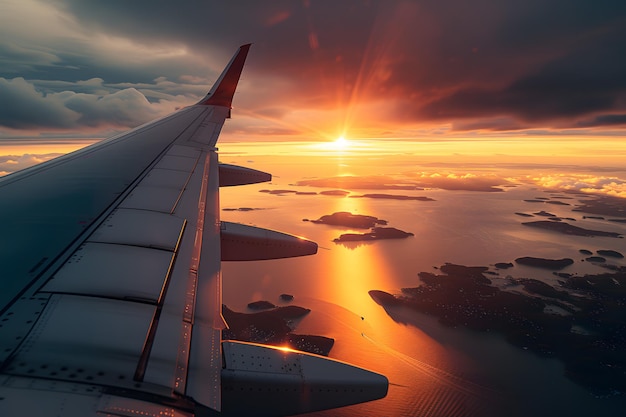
318,68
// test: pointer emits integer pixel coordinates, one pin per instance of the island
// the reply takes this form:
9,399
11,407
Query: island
261,305
393,197
360,221
377,233
588,334
603,205
610,253
277,192
569,229
524,214
597,259
274,327
555,264
241,209
339,193
347,219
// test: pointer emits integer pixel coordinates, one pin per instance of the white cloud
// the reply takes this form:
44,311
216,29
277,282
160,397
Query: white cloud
455,181
13,163
585,183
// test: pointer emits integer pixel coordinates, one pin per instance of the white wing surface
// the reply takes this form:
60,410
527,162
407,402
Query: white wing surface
110,275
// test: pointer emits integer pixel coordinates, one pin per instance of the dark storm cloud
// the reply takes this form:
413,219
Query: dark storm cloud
534,61
484,64
23,106
604,120
585,80
305,44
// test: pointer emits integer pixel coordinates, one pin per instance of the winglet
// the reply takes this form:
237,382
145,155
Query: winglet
224,88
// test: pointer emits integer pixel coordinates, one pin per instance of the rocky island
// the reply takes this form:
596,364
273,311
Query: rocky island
555,264
603,205
593,356
610,253
274,327
569,229
377,233
393,197
261,305
360,221
347,219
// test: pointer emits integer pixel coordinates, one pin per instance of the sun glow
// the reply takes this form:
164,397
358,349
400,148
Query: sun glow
340,144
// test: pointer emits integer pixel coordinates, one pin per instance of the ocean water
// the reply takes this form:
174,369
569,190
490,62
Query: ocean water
433,370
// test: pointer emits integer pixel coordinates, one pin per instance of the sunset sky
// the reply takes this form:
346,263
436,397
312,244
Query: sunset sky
318,69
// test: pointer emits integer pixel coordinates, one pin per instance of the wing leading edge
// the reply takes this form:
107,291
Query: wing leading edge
112,298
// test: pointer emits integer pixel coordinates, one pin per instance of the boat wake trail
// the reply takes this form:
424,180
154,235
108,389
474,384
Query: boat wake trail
441,376
420,388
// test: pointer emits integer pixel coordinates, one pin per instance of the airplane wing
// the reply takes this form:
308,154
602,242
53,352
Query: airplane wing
110,275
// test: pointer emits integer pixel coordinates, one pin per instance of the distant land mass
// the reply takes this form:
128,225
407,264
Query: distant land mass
338,193
546,201
569,229
393,197
242,209
278,191
412,181
367,182
589,337
603,205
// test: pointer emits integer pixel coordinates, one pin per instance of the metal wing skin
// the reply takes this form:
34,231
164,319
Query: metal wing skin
110,278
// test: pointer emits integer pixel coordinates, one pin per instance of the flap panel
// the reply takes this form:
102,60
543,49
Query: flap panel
151,198
82,339
140,228
116,271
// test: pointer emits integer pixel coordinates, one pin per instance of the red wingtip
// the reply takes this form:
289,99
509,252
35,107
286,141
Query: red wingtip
224,88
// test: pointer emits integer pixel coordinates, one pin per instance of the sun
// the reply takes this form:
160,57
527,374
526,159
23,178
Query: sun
341,143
